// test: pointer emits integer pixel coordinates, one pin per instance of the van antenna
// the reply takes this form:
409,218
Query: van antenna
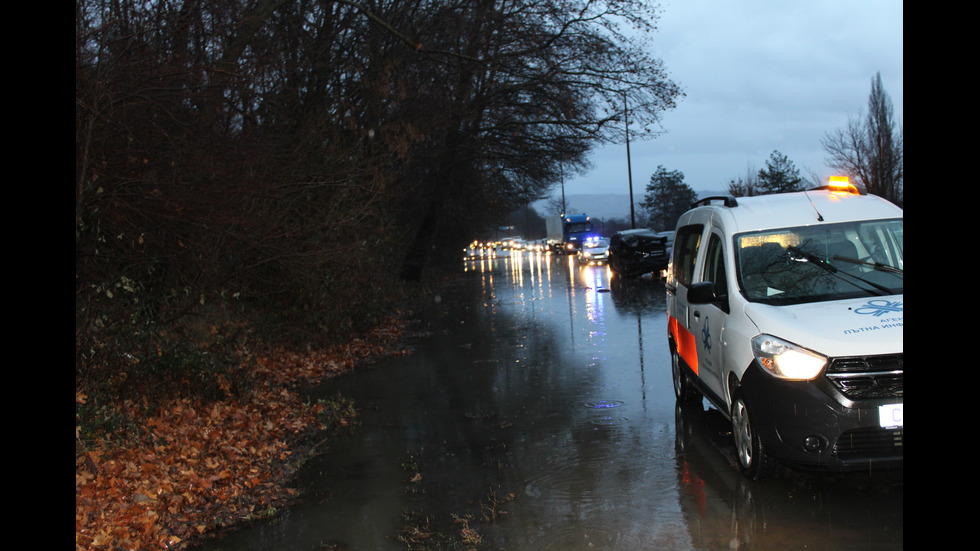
819,216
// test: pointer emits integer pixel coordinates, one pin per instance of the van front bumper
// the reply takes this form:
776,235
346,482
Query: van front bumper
812,424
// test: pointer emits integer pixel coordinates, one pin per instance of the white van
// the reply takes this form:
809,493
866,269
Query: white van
785,311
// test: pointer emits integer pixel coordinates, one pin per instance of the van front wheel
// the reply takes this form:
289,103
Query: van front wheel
752,459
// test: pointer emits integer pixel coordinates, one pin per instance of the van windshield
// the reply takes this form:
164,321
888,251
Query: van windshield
825,262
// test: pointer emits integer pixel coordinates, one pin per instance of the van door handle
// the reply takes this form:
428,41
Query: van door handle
697,314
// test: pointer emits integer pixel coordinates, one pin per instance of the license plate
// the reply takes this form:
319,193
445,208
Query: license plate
890,415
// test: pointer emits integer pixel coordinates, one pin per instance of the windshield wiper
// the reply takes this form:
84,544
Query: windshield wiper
876,265
809,257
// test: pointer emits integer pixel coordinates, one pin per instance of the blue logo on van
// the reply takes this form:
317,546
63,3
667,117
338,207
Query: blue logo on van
706,336
879,307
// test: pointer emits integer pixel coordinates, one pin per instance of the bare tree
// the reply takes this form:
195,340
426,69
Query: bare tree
264,155
521,91
870,148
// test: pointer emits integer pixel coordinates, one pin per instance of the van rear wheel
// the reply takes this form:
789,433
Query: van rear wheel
684,390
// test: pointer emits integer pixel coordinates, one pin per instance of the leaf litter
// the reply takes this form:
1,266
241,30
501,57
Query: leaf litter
190,469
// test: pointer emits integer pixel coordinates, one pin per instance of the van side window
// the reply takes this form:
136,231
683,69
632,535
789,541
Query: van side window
714,265
686,244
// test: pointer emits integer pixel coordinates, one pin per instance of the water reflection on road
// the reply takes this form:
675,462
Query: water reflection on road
538,414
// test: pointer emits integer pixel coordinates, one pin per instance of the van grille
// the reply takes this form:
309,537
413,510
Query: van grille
868,377
865,443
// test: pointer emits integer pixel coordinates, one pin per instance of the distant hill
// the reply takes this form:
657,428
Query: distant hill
593,204
603,206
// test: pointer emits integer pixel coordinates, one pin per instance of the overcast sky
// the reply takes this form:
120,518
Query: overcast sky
759,75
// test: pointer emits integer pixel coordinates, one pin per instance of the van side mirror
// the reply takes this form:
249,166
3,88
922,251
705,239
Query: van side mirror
704,293
701,293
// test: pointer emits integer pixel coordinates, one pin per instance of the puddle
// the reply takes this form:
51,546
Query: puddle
545,419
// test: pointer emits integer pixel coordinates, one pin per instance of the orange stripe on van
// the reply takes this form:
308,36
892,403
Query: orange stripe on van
687,345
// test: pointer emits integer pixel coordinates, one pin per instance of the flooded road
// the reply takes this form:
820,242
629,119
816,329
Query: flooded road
538,414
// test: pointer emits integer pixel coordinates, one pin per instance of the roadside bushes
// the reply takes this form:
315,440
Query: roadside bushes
140,333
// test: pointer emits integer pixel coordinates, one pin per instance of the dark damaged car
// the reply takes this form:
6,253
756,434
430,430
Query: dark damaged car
633,253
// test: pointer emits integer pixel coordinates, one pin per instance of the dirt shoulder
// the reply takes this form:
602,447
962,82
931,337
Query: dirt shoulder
166,479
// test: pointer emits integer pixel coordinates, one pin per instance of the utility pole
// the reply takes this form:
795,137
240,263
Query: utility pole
561,167
629,168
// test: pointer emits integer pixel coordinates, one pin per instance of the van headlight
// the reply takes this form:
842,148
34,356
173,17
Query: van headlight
785,359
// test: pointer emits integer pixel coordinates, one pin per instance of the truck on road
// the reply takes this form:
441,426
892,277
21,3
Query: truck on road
567,232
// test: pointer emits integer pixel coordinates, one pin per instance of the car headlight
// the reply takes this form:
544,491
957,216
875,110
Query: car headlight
785,359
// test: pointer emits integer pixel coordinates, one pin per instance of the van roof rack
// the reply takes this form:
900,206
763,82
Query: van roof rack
727,200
